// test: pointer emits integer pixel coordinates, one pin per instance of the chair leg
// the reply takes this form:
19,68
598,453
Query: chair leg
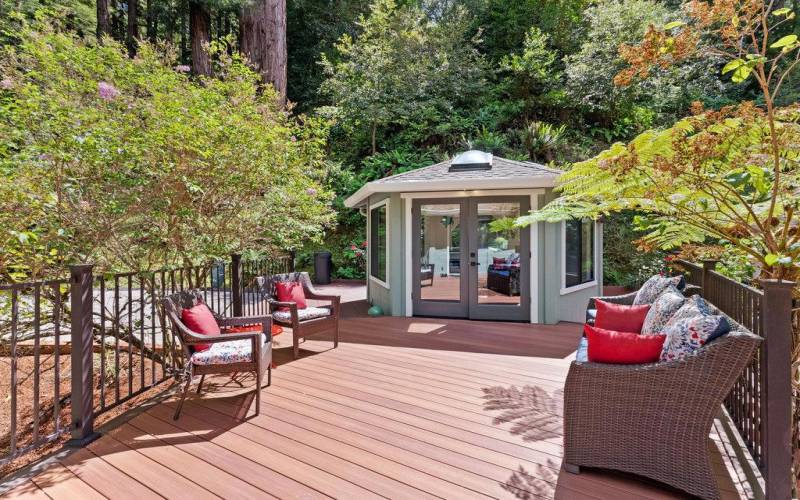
295,345
183,397
269,375
572,469
336,335
200,385
258,390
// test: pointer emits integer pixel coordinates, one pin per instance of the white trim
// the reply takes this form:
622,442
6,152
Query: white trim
408,251
384,202
429,187
567,290
472,193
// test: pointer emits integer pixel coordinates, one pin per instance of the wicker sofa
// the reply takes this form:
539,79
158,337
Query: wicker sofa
653,420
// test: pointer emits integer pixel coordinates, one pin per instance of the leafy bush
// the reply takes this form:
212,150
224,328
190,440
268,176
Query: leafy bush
132,164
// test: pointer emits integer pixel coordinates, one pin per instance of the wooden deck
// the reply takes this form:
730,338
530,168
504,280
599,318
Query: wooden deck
404,408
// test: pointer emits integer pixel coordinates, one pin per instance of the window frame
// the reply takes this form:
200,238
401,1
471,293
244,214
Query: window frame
385,204
581,286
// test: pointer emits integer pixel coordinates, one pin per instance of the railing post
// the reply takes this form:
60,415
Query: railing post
776,392
236,283
81,398
291,260
708,266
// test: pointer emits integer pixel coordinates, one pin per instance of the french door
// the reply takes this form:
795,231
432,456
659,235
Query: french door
468,260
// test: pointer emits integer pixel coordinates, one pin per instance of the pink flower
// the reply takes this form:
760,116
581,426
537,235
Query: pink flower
311,191
293,139
107,91
6,84
364,245
182,68
353,247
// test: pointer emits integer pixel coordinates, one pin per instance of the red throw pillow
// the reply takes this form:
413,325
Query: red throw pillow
625,348
291,291
620,318
200,320
499,261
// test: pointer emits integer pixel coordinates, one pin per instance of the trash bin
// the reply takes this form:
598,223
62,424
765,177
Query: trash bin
322,267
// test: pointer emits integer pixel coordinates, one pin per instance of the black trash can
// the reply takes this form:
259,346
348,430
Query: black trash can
322,267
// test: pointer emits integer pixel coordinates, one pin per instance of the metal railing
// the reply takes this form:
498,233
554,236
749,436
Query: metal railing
79,347
759,403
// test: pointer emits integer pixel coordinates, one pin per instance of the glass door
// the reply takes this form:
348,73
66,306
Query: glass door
439,251
499,259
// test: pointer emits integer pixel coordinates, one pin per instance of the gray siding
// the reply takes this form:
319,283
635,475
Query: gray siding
390,299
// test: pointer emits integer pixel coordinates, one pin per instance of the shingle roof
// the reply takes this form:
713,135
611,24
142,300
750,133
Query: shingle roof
502,168
504,174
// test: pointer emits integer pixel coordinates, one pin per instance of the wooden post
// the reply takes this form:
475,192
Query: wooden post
776,387
291,260
708,266
82,404
236,283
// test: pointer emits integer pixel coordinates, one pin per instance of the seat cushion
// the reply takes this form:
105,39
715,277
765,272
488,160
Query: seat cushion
199,319
223,353
291,291
662,310
654,287
626,348
303,314
687,335
620,318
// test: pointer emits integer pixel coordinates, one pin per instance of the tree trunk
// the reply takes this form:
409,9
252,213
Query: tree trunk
103,20
132,36
263,41
152,26
200,28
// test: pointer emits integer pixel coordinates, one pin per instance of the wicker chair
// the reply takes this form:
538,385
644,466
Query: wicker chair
327,321
653,420
426,273
260,351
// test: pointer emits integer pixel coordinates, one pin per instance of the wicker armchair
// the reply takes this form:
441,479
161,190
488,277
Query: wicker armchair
303,322
426,273
229,353
653,420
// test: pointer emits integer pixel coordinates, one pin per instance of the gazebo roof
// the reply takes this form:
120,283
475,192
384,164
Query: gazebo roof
503,174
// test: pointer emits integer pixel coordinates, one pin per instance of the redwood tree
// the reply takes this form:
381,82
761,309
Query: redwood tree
263,41
103,20
132,35
200,32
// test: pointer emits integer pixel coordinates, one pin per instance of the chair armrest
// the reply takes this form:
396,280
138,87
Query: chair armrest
194,338
316,296
245,320
276,303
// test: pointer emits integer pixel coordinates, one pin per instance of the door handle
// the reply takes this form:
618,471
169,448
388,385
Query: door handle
473,263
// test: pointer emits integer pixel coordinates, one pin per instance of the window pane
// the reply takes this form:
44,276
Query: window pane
498,258
440,252
377,263
572,249
587,251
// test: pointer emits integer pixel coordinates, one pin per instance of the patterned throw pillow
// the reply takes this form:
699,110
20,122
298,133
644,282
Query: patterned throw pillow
654,287
662,310
684,336
694,306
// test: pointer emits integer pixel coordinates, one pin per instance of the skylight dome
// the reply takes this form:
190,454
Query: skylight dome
471,160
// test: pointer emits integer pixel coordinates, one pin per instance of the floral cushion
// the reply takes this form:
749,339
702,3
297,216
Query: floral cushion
685,336
303,314
694,306
662,310
654,287
235,351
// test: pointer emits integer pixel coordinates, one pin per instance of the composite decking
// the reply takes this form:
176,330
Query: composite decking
404,408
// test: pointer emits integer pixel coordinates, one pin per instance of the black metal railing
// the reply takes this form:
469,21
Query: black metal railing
113,325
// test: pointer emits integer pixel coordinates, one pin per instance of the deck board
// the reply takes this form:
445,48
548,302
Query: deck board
406,408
